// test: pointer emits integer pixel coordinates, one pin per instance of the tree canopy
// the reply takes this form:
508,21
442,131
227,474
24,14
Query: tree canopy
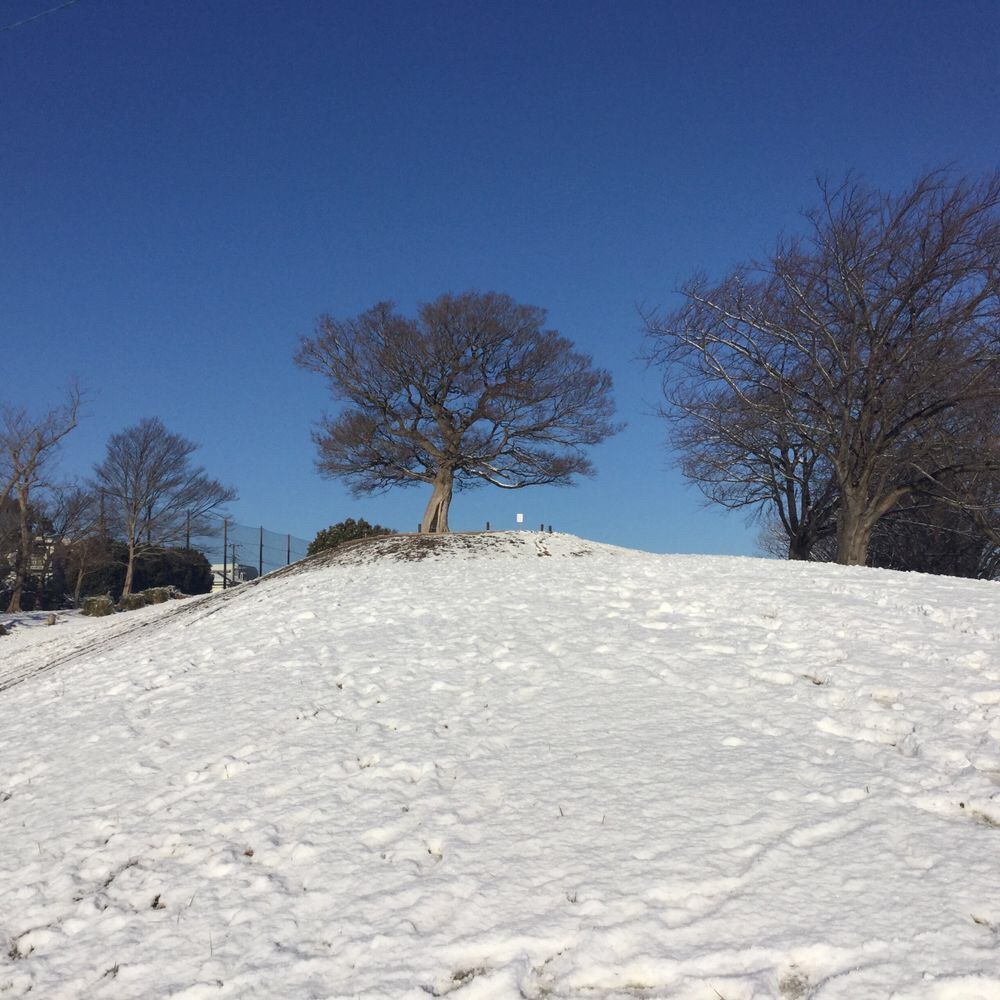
472,390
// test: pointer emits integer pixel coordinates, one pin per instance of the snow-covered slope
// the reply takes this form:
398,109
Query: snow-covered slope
517,766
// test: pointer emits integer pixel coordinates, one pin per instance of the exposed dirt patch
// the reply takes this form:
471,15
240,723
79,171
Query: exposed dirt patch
414,547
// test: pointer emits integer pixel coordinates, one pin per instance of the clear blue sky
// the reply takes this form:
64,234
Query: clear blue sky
184,187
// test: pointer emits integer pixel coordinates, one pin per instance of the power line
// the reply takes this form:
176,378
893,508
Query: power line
38,17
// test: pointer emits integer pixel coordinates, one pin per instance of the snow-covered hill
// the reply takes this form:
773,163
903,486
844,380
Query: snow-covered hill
512,766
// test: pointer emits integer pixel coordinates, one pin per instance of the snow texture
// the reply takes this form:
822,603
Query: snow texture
515,765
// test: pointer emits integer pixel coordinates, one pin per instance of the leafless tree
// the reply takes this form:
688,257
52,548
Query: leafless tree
872,344
474,390
744,454
151,489
72,515
28,445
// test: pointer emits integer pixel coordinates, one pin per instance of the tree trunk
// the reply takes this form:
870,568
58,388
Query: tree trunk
127,587
79,585
857,517
799,548
854,531
15,598
436,516
22,561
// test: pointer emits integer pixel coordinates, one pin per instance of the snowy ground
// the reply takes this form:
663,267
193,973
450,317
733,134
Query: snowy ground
527,766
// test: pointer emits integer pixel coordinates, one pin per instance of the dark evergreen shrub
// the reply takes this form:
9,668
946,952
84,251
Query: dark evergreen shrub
184,569
345,531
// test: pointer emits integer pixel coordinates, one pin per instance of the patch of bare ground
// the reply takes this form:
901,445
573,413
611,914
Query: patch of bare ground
416,547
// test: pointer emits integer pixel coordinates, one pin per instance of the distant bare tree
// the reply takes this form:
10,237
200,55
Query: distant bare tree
474,390
72,515
151,489
872,346
28,444
744,454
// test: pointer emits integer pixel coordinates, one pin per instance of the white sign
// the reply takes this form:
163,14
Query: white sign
520,519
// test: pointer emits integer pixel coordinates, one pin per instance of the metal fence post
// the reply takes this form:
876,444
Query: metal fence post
260,558
225,550
288,554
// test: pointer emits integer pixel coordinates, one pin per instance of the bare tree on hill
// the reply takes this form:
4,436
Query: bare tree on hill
872,345
473,390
